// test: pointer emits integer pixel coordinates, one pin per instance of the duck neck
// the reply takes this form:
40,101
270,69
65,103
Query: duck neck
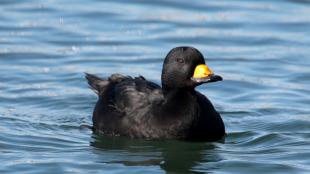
177,99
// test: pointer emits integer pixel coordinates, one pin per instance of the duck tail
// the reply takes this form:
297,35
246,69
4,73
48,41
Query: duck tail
97,84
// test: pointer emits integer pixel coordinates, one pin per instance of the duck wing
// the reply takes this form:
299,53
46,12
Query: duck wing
134,93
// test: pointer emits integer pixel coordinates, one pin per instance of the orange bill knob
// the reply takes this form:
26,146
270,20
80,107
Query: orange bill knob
202,71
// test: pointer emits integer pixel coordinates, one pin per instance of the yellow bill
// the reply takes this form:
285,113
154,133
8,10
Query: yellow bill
203,74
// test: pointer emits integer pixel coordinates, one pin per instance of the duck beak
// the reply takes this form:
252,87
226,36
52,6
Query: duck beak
204,74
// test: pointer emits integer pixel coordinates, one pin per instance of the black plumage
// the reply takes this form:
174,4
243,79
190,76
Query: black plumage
138,108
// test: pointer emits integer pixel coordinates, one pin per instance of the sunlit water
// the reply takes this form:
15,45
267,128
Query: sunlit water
261,48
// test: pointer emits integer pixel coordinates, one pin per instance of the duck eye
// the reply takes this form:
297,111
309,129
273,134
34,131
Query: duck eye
180,60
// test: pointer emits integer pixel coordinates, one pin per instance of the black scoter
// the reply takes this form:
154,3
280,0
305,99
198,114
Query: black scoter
138,108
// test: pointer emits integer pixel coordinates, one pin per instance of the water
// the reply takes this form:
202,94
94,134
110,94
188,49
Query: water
261,48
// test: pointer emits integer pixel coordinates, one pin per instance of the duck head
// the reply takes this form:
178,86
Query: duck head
184,67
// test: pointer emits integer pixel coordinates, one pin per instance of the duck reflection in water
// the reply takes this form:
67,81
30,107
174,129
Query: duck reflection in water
173,156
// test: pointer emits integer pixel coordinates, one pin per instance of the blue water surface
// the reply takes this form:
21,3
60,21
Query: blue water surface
261,48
